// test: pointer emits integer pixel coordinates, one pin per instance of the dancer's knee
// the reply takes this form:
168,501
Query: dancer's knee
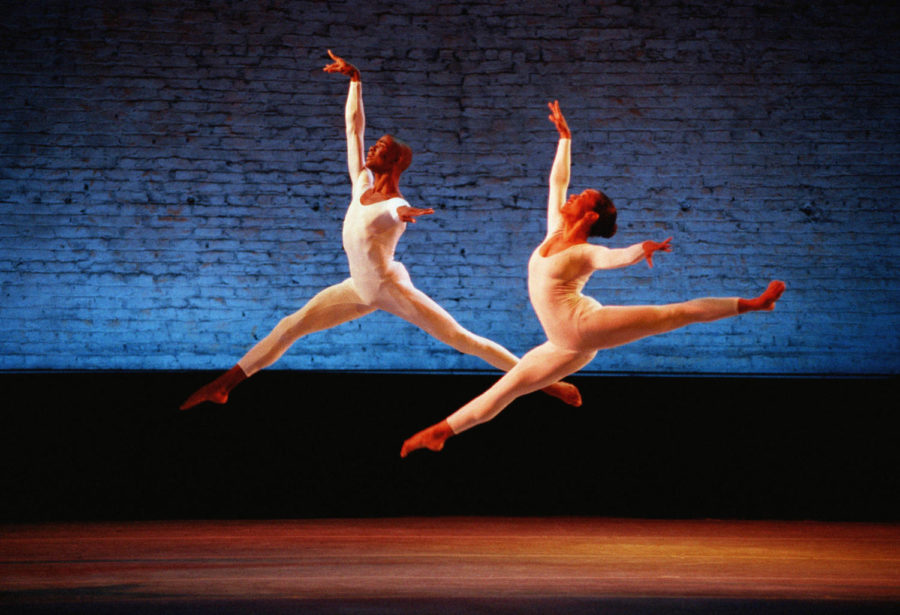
454,335
468,341
708,309
680,314
677,315
290,327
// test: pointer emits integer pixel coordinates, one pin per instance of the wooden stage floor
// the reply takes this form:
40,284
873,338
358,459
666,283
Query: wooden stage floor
450,565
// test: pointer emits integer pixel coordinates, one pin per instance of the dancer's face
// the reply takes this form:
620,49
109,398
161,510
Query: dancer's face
576,206
380,157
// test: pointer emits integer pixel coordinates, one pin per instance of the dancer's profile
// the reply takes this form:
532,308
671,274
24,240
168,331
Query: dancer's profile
373,224
578,326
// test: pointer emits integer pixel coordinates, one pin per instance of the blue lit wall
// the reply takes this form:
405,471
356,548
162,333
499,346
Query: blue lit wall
172,175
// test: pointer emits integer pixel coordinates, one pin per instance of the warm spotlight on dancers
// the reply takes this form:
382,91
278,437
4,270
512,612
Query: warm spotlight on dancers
577,326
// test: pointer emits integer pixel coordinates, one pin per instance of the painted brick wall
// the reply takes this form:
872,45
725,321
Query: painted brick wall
172,175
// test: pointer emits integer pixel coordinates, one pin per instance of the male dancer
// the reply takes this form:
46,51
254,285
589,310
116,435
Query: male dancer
375,220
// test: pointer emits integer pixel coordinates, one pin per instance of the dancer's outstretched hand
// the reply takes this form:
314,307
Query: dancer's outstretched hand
654,246
409,214
341,66
557,118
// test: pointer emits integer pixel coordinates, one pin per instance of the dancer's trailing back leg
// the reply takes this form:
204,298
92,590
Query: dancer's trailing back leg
329,308
535,371
414,306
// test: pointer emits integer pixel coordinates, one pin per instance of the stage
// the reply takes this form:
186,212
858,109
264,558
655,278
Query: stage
451,565
115,502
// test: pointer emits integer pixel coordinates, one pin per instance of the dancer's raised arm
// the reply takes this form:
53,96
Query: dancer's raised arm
559,173
354,115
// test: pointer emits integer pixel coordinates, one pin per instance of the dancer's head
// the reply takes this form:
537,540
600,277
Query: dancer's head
389,154
593,200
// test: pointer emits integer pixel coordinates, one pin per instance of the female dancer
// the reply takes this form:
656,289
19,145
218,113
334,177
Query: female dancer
578,326
375,220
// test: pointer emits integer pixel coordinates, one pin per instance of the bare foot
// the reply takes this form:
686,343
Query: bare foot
432,438
765,301
773,293
216,391
205,393
568,393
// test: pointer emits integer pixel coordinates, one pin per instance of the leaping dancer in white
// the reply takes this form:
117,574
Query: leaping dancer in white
375,220
578,326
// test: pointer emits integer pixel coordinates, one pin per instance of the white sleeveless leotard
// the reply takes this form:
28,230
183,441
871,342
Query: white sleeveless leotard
370,237
554,287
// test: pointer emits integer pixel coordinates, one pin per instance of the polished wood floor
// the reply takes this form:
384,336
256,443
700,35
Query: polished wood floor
466,565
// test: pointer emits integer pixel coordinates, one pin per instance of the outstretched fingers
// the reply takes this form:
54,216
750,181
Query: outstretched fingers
654,246
339,65
336,65
558,120
409,214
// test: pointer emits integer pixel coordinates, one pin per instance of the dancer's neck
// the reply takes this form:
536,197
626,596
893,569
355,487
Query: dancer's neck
386,186
559,241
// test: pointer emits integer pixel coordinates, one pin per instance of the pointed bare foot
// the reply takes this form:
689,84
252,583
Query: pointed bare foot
773,293
765,301
432,438
568,393
216,391
205,393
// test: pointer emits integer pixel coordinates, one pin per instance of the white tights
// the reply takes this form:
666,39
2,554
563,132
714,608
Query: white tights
606,327
341,303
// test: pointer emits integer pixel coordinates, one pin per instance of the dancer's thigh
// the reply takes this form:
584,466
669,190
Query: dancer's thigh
401,298
541,367
615,325
330,307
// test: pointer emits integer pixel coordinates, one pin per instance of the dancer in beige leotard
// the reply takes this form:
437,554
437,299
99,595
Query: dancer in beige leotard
578,326
375,220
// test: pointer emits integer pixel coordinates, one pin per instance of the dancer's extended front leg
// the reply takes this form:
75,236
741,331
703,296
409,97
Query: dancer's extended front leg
615,325
334,305
406,301
329,308
539,367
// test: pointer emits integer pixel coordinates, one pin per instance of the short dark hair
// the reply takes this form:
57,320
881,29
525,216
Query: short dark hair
402,153
605,226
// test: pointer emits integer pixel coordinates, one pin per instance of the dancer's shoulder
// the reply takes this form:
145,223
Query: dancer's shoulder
363,182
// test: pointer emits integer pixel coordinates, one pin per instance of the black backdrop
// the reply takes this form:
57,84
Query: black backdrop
110,445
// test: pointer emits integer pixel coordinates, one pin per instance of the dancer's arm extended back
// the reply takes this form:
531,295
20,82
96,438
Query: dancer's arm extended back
606,258
611,258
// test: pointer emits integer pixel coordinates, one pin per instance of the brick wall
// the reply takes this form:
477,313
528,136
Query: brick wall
172,174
